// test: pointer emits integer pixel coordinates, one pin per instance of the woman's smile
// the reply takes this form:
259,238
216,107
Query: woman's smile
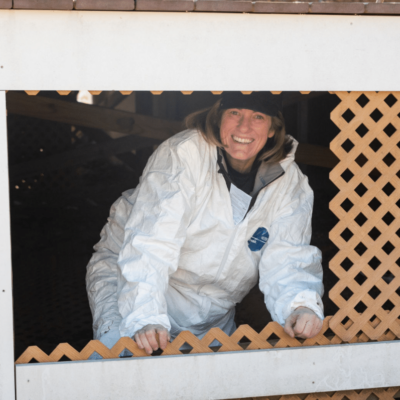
240,140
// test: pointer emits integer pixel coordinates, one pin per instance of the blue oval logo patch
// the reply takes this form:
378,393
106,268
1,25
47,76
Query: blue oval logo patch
258,240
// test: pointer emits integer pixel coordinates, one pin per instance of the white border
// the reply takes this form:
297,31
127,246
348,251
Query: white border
62,50
7,389
216,376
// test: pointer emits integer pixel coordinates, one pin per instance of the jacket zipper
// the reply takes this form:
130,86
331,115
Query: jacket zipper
223,261
228,248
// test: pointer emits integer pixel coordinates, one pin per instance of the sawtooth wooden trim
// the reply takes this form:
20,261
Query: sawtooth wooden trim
271,337
365,394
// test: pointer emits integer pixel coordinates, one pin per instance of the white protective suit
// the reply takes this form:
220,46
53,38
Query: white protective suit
172,255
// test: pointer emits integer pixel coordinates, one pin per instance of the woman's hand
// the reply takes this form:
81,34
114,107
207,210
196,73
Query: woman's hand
146,338
303,323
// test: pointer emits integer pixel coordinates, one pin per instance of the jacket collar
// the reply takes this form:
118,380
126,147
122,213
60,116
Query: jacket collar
266,173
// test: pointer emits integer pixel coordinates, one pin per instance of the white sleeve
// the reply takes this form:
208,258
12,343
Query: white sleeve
290,268
102,271
154,234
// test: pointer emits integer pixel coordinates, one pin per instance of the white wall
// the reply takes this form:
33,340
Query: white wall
197,51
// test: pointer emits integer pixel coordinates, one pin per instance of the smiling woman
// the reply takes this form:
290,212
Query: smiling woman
218,205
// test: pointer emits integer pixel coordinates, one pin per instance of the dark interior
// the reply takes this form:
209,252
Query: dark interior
57,215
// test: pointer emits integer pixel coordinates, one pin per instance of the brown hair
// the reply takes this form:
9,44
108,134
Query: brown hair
208,122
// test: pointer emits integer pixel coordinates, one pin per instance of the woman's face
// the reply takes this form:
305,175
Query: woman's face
244,132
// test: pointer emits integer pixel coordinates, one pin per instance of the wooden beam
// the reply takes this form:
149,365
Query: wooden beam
319,156
78,156
144,131
91,116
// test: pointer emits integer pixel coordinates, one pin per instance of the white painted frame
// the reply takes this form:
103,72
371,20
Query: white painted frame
7,380
216,376
75,50
62,50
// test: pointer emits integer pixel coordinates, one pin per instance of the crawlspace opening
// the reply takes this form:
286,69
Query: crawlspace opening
69,160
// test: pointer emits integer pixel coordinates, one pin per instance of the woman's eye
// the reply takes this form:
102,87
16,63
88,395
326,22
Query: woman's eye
258,116
234,112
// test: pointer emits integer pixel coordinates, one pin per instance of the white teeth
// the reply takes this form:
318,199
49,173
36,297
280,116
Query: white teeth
240,140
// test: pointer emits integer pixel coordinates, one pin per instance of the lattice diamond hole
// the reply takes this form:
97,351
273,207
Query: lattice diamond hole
347,205
64,358
375,145
372,396
361,160
347,234
376,115
329,333
388,248
374,233
388,306
375,174
390,100
389,159
346,320
374,263
362,100
360,249
374,292
388,277
374,204
388,189
361,190
348,115
362,130
361,219
360,307
244,342
347,175
360,278
186,348
346,293
347,145
346,264
273,339
389,130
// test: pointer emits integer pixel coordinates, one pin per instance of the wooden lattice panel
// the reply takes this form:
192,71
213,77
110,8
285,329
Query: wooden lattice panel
272,336
365,394
367,206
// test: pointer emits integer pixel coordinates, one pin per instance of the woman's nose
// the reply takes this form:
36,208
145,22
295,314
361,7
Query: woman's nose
244,124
